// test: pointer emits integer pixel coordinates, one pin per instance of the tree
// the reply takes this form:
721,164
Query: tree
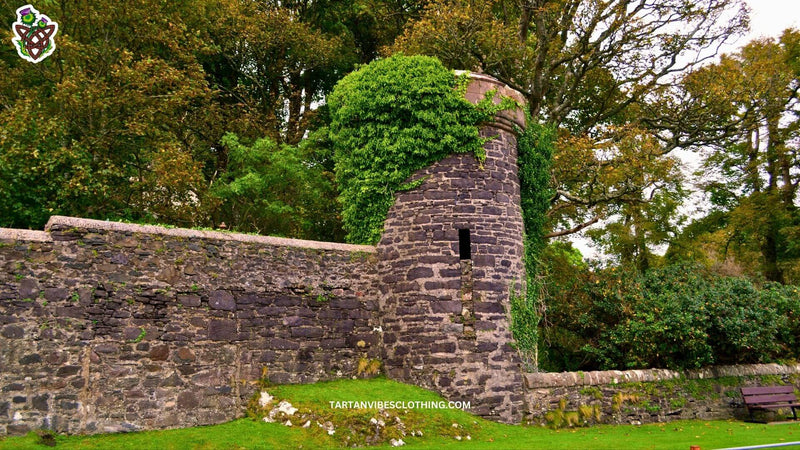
275,61
588,67
125,120
753,96
272,187
107,126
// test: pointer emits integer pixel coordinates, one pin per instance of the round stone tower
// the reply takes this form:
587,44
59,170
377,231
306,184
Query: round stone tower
450,256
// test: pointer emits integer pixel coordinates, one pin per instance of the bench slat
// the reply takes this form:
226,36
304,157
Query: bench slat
774,398
785,405
768,390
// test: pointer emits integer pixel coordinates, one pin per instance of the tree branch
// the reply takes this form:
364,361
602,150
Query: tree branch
576,229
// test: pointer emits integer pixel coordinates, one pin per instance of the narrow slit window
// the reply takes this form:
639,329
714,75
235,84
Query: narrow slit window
464,246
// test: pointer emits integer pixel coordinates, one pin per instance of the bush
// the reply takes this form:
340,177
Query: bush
677,317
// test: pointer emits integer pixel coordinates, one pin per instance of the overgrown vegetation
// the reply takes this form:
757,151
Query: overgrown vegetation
391,118
585,415
534,153
677,317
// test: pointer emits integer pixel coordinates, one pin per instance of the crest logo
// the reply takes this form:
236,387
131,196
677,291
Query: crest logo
34,34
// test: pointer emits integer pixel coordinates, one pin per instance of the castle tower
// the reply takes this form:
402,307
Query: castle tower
450,255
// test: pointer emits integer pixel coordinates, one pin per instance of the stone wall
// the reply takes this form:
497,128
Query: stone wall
446,314
108,326
643,396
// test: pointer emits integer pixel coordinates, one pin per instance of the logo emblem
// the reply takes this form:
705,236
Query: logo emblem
34,34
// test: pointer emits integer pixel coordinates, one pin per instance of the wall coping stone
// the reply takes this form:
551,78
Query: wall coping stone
566,379
61,222
11,234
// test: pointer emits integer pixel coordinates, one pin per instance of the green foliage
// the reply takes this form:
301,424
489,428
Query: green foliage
389,119
525,329
276,189
535,158
126,124
535,152
752,183
585,415
675,317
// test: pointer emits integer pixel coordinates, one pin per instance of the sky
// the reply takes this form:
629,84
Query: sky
768,18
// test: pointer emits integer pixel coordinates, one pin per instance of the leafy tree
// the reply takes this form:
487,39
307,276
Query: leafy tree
274,60
587,67
679,316
271,187
105,127
751,151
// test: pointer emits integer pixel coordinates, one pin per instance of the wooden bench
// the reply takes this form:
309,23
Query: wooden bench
770,398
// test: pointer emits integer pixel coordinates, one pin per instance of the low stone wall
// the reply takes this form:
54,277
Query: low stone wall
656,395
108,327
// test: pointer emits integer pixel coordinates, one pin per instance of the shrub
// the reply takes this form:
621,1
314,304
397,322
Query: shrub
677,317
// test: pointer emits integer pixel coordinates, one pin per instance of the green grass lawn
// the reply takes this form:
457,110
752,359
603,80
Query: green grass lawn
436,426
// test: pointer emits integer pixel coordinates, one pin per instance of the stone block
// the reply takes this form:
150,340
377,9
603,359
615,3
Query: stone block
285,300
55,294
187,401
307,332
485,325
33,358
443,347
66,371
18,429
489,307
159,353
419,272
28,288
345,303
41,402
184,355
222,300
120,258
446,307
222,330
189,300
12,332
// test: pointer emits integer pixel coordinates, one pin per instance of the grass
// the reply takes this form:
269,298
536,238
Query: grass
436,425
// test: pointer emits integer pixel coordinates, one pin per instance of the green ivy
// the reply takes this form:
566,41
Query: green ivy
391,118
535,156
535,151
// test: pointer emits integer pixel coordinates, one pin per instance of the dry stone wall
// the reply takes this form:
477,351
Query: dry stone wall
113,327
656,395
